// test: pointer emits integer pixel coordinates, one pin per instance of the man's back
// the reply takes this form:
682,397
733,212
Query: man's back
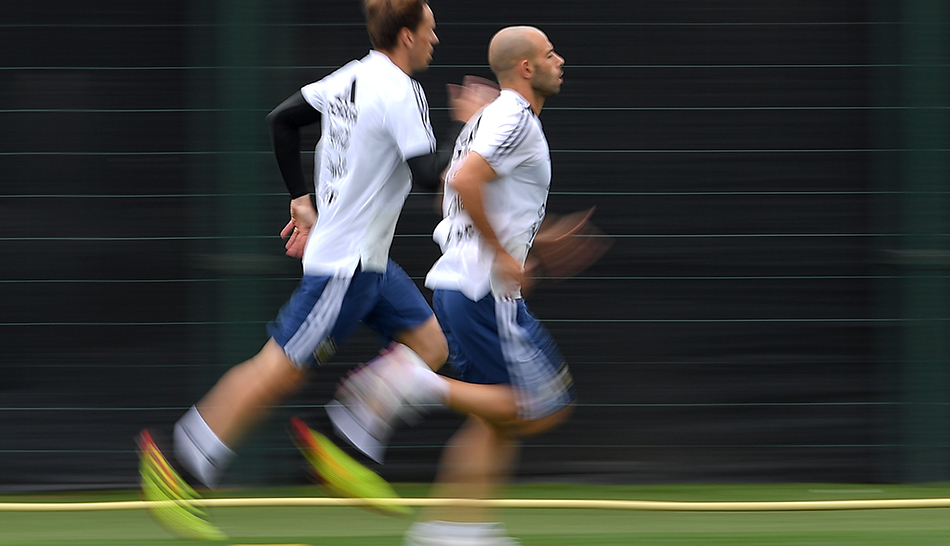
374,116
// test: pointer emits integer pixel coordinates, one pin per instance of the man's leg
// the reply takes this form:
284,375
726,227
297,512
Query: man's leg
427,341
496,404
482,453
475,462
206,434
400,383
516,384
205,437
477,458
244,394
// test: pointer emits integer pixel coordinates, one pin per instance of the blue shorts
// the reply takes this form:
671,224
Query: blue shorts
499,342
324,311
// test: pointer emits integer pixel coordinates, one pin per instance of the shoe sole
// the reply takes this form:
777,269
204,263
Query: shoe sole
340,473
350,429
173,508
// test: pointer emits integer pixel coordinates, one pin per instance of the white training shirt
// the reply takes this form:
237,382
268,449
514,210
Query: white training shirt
508,135
373,117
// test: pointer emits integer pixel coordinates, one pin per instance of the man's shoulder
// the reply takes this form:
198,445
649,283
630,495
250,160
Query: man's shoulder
377,66
507,106
367,77
345,72
387,83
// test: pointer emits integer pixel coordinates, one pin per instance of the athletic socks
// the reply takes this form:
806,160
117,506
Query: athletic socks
450,533
436,388
199,450
203,455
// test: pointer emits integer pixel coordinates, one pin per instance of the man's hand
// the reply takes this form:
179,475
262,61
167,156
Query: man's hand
470,97
565,246
302,218
508,271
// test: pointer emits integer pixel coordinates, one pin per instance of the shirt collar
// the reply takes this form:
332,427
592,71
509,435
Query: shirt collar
383,59
519,99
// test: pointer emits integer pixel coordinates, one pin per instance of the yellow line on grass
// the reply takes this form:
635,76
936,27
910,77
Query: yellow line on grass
596,504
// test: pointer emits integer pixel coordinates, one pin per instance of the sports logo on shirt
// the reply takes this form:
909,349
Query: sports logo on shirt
342,114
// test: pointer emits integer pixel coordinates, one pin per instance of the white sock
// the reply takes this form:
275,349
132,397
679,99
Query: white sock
199,450
460,531
433,388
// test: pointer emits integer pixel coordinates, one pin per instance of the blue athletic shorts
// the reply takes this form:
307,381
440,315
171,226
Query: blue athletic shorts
324,311
499,342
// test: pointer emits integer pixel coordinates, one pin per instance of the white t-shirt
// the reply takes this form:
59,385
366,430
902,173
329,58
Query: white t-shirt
374,117
508,135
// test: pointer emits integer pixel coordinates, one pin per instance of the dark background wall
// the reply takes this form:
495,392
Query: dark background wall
773,177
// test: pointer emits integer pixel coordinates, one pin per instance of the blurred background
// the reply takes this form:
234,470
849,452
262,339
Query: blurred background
773,176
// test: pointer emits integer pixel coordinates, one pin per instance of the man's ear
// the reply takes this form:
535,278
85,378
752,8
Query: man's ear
405,37
525,69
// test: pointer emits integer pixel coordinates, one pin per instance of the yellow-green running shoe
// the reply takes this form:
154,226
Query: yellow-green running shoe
171,499
342,474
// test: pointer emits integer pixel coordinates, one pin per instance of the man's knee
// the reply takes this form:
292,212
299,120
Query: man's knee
274,368
438,352
544,424
428,342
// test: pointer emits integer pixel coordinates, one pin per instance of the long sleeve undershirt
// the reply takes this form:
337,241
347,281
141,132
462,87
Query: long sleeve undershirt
286,120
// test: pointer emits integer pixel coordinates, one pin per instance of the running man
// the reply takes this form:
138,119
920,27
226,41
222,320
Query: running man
375,140
514,381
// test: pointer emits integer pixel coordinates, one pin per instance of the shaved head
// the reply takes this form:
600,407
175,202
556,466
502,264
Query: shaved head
511,45
524,61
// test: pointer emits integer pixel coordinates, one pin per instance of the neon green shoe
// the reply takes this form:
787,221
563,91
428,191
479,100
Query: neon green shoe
170,497
342,474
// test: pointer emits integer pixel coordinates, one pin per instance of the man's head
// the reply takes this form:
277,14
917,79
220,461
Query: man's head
525,54
408,25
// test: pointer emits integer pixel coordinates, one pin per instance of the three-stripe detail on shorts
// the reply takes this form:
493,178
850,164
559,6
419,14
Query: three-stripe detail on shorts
541,383
316,327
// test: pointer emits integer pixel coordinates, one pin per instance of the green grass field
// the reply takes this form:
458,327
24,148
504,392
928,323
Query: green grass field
347,526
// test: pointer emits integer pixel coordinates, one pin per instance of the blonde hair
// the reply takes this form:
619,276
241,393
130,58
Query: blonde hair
385,18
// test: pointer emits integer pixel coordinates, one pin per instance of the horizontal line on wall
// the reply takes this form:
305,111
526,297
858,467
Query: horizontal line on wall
429,235
534,446
549,108
547,320
358,23
485,67
99,364
579,405
555,151
245,279
738,193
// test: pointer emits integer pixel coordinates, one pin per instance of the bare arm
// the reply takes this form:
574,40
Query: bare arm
471,177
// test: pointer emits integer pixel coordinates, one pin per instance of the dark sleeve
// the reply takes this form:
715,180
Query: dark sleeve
285,122
427,169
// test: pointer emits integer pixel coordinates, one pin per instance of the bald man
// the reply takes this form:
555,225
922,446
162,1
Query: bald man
514,379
